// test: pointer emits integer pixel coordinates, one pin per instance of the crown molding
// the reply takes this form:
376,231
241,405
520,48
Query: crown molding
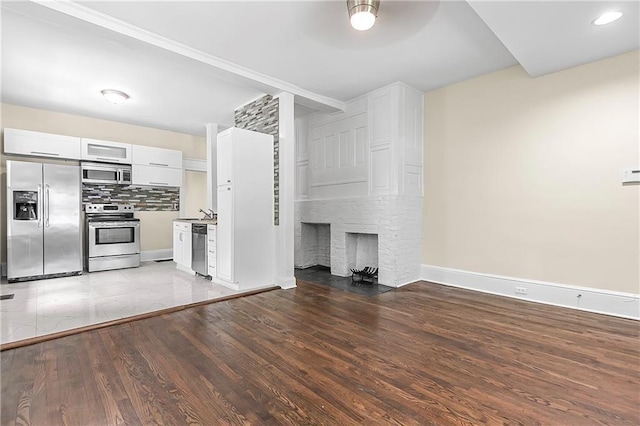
236,73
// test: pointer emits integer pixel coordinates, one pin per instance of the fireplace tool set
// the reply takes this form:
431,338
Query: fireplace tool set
367,275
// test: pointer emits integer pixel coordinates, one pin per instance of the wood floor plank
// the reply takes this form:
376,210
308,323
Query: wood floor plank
105,390
422,354
193,395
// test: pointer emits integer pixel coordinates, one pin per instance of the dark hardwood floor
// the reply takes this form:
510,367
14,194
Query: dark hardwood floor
422,354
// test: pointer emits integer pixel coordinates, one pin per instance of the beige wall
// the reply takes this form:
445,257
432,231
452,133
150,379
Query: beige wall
523,175
193,199
76,125
156,231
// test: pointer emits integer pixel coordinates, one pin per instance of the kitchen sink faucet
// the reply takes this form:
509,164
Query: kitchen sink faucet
207,215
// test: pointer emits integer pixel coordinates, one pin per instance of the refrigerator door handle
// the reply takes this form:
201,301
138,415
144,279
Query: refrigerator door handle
47,200
40,209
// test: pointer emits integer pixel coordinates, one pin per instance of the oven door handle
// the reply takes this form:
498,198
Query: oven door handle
123,224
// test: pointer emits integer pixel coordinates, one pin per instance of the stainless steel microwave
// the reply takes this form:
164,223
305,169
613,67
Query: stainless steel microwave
106,173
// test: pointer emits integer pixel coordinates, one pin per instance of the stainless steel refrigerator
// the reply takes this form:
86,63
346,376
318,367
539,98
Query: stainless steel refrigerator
43,220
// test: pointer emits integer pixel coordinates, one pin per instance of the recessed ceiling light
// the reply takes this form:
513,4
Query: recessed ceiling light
607,18
114,96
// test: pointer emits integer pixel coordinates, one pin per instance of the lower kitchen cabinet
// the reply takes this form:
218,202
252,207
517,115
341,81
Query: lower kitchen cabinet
211,248
182,245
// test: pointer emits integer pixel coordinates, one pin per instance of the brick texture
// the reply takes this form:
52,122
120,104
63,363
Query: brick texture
397,220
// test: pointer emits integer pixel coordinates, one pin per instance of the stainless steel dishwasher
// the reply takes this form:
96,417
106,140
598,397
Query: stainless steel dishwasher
199,248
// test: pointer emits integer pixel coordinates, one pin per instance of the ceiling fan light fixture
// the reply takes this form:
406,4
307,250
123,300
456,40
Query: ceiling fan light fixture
114,96
362,13
607,18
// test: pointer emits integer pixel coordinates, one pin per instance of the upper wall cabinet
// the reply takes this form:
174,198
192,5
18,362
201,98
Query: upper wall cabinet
111,152
159,157
156,166
155,176
26,142
224,169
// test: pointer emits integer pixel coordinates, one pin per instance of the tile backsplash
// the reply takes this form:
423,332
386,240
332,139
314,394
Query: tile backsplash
143,198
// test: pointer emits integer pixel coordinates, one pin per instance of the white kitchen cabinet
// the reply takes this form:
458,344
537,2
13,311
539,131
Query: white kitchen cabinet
106,151
224,168
26,142
155,176
182,245
245,234
157,157
211,248
224,239
156,166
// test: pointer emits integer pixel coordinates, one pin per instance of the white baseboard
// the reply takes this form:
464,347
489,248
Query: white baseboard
619,304
185,269
225,283
286,283
156,254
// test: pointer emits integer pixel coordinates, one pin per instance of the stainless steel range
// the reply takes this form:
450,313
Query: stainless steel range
112,237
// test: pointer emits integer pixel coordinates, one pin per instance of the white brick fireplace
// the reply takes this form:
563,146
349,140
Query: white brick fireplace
396,220
359,186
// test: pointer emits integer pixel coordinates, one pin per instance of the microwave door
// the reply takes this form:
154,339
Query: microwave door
95,175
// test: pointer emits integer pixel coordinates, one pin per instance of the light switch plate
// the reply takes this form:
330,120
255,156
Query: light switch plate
630,175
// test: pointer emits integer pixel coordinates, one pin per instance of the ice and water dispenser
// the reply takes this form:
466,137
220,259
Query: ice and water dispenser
25,205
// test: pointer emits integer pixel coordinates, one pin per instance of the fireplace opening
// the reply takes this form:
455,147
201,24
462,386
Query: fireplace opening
316,245
362,250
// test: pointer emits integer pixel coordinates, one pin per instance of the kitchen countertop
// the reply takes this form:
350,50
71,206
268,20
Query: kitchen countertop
196,220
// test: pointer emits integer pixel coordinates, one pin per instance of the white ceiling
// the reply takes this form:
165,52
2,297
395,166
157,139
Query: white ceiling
186,64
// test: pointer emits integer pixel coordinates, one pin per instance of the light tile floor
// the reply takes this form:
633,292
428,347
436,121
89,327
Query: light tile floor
48,306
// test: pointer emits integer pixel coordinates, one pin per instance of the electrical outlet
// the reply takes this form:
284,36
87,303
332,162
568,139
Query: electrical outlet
521,290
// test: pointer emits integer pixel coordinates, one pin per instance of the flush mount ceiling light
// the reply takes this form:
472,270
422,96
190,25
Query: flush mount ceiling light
607,18
114,96
362,13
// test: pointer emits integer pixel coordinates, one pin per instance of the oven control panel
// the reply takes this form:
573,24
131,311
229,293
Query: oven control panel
109,208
